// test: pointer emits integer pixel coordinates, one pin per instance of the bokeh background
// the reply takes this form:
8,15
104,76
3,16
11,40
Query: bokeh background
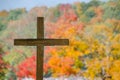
92,26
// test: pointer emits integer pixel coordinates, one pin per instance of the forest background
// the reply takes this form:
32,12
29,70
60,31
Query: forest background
93,29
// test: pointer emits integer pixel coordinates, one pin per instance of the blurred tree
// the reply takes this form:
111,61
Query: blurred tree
112,9
90,13
2,26
78,9
15,14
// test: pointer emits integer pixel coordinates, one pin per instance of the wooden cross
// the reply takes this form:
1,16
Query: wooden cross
40,42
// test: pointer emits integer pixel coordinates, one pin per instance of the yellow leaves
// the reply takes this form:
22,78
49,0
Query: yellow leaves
117,38
99,32
81,45
111,58
96,46
94,68
79,64
101,28
76,49
101,49
87,51
116,49
115,70
70,32
74,54
116,46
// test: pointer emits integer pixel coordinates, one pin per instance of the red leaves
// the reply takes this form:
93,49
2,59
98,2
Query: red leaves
68,16
64,7
27,68
46,67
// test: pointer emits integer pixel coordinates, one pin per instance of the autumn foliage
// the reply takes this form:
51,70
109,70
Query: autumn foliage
92,28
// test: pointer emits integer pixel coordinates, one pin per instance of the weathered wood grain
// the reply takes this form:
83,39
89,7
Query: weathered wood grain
37,42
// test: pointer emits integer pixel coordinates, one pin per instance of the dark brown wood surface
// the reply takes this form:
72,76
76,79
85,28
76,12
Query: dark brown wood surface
40,49
37,42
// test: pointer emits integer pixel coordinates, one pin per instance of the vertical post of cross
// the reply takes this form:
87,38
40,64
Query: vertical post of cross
40,49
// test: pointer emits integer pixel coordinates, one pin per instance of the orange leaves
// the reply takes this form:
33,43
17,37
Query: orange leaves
61,65
3,13
62,60
115,70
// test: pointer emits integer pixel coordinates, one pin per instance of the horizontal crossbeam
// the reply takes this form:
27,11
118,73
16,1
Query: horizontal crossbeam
38,42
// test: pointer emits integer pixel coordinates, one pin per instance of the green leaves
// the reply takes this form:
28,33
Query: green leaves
15,14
